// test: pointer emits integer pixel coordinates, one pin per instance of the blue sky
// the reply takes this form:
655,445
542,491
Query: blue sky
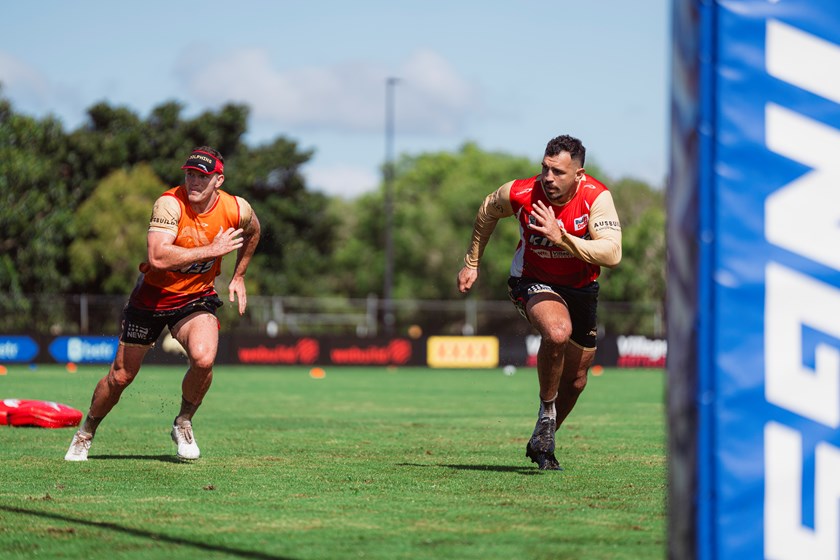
508,75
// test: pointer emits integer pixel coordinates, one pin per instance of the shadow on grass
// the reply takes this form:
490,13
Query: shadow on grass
161,458
529,471
140,533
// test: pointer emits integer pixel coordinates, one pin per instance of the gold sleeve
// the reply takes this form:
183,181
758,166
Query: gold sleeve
604,246
246,213
165,215
495,206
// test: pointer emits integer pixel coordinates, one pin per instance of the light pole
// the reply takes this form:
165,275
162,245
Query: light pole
388,312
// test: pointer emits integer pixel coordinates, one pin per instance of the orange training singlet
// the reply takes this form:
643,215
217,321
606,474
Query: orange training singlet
170,289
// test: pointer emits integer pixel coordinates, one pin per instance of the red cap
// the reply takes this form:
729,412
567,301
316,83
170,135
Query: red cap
205,162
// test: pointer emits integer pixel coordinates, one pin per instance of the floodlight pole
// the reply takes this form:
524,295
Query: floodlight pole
388,311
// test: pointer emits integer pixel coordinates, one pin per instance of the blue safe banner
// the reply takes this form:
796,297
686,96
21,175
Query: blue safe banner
84,349
770,273
17,349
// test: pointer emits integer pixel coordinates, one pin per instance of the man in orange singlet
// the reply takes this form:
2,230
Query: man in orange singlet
569,228
192,227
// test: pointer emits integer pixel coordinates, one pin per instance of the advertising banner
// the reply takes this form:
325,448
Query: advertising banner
631,351
476,352
84,349
756,147
462,351
336,351
18,349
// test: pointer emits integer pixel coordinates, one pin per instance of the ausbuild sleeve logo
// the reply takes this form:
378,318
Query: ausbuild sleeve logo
84,349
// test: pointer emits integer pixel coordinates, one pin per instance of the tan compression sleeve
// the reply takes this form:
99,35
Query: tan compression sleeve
604,246
495,206
165,215
245,213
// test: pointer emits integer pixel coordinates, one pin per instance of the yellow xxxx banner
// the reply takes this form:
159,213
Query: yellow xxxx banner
462,351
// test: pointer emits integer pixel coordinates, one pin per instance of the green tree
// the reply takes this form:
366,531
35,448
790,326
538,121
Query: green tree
436,197
74,208
641,274
36,209
36,203
298,231
638,283
117,138
47,174
111,230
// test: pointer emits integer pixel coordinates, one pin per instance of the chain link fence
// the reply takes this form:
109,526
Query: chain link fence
84,314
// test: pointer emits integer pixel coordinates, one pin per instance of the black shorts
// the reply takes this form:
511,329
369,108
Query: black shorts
582,304
143,327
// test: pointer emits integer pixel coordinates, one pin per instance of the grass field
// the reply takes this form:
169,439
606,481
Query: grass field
363,463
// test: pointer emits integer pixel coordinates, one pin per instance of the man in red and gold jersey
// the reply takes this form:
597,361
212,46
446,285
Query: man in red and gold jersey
569,229
192,227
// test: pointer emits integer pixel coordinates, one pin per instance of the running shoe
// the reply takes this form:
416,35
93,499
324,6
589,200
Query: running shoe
540,448
183,436
79,447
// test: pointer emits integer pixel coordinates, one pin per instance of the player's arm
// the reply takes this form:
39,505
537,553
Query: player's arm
604,244
250,225
495,207
163,254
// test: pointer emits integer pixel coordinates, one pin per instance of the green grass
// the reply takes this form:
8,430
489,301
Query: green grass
364,463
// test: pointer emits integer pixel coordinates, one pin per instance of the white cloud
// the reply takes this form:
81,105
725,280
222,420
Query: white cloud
23,81
430,98
346,181
432,92
34,93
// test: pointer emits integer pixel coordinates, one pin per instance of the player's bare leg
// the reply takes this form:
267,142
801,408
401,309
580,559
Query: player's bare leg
199,335
576,365
106,395
550,316
108,391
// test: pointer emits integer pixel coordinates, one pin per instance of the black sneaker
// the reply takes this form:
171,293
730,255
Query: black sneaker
540,448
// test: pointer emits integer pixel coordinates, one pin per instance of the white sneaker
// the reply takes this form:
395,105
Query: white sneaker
183,436
79,447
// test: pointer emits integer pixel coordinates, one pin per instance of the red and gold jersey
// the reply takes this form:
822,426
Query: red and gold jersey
170,289
537,257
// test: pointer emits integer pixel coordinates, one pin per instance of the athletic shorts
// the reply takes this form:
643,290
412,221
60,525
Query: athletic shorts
582,304
142,327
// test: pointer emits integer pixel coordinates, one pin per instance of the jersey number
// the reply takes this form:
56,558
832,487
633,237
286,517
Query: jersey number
198,268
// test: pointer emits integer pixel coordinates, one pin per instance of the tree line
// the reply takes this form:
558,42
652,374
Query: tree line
74,209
